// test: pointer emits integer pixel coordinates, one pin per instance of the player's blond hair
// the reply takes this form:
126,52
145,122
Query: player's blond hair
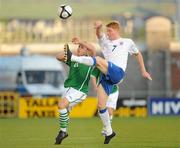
115,25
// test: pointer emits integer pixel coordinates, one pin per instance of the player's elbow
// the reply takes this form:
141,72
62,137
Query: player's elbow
92,51
137,54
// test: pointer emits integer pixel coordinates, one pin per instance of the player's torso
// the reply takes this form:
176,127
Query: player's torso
79,76
116,51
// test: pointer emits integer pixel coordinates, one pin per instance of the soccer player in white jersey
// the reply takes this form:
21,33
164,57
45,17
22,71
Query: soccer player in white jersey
115,50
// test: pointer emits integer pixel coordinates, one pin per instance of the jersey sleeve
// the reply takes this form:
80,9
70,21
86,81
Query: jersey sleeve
95,72
133,48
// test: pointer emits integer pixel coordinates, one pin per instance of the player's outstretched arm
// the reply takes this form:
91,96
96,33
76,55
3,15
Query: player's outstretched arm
98,26
89,46
140,61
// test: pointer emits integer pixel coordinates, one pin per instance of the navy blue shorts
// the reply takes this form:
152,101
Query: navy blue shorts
114,75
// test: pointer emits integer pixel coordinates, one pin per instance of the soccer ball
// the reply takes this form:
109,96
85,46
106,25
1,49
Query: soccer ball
64,11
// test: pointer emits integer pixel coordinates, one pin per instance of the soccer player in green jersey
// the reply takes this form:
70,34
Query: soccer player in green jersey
112,98
76,84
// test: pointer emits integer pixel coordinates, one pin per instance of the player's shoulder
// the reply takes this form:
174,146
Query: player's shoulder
127,40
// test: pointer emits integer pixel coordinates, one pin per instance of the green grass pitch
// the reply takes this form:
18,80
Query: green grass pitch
154,132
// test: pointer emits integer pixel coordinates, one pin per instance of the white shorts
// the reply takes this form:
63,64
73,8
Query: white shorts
74,96
112,100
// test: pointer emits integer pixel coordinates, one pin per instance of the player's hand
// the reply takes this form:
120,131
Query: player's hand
61,56
76,40
146,75
97,24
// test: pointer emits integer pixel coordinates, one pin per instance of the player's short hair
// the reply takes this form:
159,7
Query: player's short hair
115,25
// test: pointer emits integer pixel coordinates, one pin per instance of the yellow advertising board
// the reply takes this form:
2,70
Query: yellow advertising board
129,112
48,107
85,109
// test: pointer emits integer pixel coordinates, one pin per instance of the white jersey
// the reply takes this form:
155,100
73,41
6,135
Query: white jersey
116,51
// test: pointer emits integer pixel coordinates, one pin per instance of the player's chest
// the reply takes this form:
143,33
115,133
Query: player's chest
79,68
115,48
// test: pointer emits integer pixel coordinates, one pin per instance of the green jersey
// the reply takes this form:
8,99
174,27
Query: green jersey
96,73
78,77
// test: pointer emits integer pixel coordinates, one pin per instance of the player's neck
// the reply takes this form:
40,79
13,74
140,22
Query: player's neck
116,37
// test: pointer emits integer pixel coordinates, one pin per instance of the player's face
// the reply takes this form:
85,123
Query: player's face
81,50
111,33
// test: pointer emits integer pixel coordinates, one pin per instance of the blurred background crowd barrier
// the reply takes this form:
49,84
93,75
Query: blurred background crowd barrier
55,31
45,31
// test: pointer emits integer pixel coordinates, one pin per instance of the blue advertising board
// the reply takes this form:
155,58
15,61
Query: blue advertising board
164,106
